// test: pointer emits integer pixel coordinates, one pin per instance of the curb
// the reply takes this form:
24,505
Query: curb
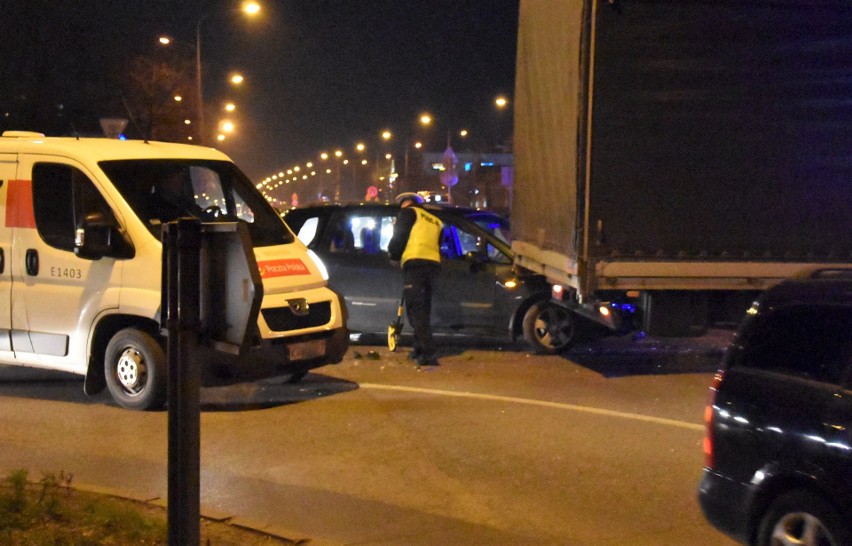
274,531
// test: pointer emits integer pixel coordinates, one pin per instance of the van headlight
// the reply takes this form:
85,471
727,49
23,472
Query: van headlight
321,266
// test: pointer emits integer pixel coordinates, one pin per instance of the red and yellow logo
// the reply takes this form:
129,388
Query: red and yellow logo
282,268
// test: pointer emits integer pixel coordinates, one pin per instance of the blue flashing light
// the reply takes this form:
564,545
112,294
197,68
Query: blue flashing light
468,166
625,308
122,136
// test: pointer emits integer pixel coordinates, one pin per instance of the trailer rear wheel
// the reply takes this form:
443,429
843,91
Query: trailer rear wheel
549,328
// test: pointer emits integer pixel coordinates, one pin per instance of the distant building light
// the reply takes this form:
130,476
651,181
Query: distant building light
468,166
487,164
438,167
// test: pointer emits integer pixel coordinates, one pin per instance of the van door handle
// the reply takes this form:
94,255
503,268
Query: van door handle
2,259
32,262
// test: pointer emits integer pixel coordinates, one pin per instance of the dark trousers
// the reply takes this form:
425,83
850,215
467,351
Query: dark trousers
419,280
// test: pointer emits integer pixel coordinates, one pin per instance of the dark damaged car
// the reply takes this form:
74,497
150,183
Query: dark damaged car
479,294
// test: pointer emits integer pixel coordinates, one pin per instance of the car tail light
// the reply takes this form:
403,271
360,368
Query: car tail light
708,418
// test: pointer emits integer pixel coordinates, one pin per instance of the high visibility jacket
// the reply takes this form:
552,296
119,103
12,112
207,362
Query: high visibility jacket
423,242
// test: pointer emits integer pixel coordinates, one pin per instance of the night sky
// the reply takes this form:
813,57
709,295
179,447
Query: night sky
320,74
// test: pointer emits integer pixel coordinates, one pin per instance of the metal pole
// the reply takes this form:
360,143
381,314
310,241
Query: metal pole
200,98
182,248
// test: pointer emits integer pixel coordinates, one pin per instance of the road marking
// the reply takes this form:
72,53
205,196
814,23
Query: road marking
541,403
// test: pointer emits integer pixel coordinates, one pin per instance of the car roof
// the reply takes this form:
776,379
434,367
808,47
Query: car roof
824,286
461,214
467,212
103,149
296,216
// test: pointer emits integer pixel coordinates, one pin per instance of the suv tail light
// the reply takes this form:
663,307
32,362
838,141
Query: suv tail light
708,418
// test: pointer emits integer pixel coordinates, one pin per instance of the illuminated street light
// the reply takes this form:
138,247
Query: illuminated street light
230,107
251,8
501,102
425,119
236,78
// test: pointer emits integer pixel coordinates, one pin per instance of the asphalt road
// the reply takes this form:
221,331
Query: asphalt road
496,446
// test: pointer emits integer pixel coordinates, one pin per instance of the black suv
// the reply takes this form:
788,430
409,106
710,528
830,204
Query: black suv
779,421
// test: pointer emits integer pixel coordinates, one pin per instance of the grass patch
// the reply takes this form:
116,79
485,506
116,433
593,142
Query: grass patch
50,512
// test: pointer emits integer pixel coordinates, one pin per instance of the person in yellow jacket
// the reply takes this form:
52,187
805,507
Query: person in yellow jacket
416,245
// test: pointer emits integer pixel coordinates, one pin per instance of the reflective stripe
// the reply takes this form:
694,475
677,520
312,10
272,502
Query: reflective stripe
19,204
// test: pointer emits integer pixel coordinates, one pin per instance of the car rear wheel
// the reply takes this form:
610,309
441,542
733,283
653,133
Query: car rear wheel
135,369
549,328
801,518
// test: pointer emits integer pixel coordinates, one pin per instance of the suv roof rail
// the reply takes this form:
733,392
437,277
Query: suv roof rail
22,134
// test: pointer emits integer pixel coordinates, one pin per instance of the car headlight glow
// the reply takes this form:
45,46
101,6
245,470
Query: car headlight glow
321,266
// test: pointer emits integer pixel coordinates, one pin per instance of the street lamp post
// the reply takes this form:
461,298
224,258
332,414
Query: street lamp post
198,84
250,8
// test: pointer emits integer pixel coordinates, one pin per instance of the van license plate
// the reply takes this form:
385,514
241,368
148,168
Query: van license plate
307,350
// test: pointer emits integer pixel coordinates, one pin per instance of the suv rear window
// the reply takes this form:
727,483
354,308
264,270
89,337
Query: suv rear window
810,342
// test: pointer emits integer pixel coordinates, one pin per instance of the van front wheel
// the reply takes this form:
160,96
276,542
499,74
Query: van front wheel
135,369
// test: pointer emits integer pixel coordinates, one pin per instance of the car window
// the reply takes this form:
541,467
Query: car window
360,233
468,241
811,342
162,190
62,196
457,242
494,225
450,244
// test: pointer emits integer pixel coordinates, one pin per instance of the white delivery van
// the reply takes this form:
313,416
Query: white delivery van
81,264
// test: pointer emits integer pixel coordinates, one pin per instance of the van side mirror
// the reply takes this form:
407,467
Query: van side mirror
97,235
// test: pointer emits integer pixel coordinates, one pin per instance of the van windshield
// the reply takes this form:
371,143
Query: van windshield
162,190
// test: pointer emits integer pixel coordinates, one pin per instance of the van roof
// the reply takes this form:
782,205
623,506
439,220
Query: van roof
103,149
